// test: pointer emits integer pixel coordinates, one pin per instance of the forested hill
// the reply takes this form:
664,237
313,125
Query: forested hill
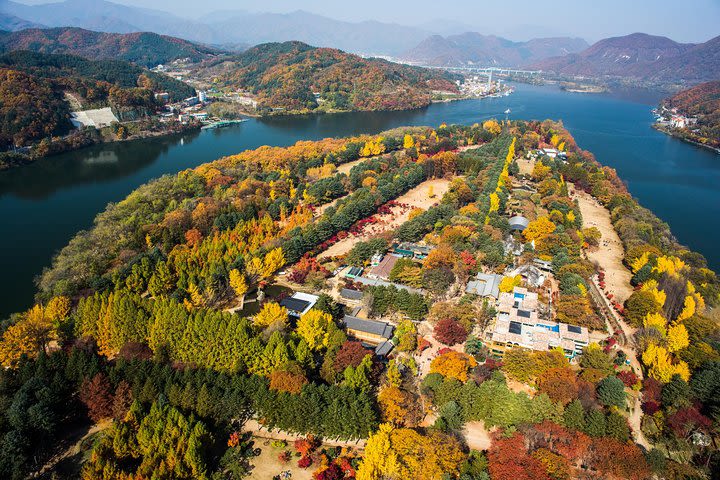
703,102
143,48
33,86
288,75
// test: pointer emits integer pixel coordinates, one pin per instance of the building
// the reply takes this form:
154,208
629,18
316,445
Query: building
518,223
411,250
383,268
299,303
485,285
354,295
354,272
518,325
543,265
371,333
531,274
549,152
374,282
162,97
202,96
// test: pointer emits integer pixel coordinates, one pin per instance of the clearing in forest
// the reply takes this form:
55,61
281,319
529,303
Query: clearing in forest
609,255
417,197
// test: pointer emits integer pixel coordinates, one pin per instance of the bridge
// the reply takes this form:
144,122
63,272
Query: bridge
498,70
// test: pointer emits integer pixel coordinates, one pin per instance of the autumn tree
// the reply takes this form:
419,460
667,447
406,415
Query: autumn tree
271,313
492,126
450,332
315,327
453,365
28,337
539,228
96,395
239,285
398,406
559,384
350,354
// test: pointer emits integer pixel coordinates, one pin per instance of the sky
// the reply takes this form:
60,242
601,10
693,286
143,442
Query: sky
683,21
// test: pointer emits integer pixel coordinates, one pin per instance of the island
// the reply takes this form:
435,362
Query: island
428,303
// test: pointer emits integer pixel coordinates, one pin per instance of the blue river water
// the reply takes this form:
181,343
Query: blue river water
44,204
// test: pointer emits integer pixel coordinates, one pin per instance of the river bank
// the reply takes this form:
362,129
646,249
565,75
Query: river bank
674,134
87,137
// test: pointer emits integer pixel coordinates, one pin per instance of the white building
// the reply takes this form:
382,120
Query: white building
299,304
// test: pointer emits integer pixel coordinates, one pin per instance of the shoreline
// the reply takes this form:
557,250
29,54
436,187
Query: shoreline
671,134
28,159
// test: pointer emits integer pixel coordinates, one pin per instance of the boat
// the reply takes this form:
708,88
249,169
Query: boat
223,123
507,112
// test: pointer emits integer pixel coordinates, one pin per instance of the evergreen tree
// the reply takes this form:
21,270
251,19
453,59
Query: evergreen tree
595,423
574,416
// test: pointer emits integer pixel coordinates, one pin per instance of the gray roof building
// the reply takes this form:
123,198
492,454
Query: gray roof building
351,294
368,330
518,222
485,285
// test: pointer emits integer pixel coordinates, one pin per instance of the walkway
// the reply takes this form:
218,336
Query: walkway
258,430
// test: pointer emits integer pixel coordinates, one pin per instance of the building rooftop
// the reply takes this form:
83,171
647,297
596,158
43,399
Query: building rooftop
351,294
485,285
383,269
384,348
382,329
377,282
518,222
299,303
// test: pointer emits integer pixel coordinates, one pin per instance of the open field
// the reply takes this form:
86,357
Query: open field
525,166
415,198
267,465
609,255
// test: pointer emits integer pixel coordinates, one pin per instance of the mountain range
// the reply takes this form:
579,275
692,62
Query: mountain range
219,28
233,29
641,56
473,48
142,48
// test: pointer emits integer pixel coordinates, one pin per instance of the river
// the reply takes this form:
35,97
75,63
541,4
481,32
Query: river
44,204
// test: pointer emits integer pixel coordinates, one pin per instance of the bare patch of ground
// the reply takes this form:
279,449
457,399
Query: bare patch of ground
609,255
525,165
267,465
418,197
477,437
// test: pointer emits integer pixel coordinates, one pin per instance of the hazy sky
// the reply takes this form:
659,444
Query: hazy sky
685,21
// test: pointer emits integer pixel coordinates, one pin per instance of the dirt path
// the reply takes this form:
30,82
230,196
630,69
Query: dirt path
610,253
346,167
260,431
415,198
617,282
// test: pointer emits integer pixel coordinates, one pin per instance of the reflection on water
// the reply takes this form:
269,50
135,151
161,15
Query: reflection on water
100,163
44,204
